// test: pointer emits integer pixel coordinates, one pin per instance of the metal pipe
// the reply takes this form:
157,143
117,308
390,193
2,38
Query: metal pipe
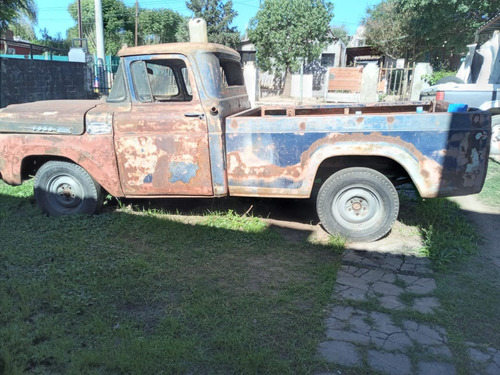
80,31
99,30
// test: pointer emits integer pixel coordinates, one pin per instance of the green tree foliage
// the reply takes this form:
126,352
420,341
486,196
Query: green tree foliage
154,25
432,30
158,26
340,32
54,42
18,15
285,32
118,22
390,31
219,15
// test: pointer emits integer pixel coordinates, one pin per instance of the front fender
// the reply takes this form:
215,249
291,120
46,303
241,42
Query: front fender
94,153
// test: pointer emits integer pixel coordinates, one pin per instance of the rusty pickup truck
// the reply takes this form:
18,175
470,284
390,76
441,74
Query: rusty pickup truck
178,123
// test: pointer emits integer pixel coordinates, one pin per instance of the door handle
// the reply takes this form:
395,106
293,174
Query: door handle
201,116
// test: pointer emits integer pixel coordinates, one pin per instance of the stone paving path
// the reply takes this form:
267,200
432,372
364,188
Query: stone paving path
381,337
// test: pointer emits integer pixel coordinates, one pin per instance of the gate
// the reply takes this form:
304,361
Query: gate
395,82
103,74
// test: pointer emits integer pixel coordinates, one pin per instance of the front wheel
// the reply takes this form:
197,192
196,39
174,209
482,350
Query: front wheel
359,204
63,188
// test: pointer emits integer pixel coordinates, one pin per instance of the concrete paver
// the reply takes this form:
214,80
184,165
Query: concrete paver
357,337
361,284
436,368
341,353
484,360
389,363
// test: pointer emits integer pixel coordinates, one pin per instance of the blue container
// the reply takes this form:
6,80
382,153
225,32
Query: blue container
457,107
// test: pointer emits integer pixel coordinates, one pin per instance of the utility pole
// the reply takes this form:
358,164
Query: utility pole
99,30
80,32
136,19
100,79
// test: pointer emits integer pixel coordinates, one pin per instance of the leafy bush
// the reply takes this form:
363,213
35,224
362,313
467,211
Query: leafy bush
433,78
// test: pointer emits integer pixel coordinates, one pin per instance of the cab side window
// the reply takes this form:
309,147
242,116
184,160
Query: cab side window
161,81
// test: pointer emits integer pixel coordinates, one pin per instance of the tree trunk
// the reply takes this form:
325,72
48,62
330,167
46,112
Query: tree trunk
287,89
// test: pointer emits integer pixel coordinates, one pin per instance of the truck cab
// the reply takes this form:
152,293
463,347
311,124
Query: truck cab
177,148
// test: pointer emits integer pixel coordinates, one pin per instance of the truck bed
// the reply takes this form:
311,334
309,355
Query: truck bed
343,109
278,151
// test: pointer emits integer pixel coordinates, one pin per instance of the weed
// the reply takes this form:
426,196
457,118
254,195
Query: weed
447,234
400,282
231,220
337,243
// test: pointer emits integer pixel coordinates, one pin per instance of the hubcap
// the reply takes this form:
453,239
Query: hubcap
357,207
65,193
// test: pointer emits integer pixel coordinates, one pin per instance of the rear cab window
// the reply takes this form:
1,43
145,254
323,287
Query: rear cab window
221,73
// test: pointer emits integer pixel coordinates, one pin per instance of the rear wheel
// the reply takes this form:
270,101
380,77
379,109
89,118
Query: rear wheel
360,204
63,188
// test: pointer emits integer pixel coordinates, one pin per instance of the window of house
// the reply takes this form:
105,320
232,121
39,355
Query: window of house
328,59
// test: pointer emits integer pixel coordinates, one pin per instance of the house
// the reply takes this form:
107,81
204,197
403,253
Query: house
10,45
332,56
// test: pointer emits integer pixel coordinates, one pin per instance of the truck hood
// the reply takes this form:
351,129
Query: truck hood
52,116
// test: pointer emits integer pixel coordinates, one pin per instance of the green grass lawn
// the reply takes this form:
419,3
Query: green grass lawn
490,195
133,291
139,293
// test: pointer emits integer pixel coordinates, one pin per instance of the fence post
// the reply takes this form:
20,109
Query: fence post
369,83
418,84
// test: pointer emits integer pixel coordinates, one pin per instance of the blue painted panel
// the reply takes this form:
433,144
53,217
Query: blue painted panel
180,171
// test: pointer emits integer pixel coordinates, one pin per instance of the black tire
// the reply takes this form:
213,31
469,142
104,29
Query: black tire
63,188
359,204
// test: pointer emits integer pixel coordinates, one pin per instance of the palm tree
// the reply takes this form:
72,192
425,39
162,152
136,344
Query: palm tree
20,16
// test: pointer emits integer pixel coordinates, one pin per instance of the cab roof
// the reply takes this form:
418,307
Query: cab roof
182,48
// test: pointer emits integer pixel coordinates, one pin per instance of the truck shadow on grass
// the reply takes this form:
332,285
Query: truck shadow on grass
296,210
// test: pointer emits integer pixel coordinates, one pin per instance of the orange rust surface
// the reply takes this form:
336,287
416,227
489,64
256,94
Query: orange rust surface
176,48
246,165
95,153
163,154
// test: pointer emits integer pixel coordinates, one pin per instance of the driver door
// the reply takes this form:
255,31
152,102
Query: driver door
162,143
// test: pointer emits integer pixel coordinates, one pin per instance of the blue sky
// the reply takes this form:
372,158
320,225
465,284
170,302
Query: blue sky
54,16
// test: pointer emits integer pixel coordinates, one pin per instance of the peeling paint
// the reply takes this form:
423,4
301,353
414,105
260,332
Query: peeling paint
181,171
435,154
